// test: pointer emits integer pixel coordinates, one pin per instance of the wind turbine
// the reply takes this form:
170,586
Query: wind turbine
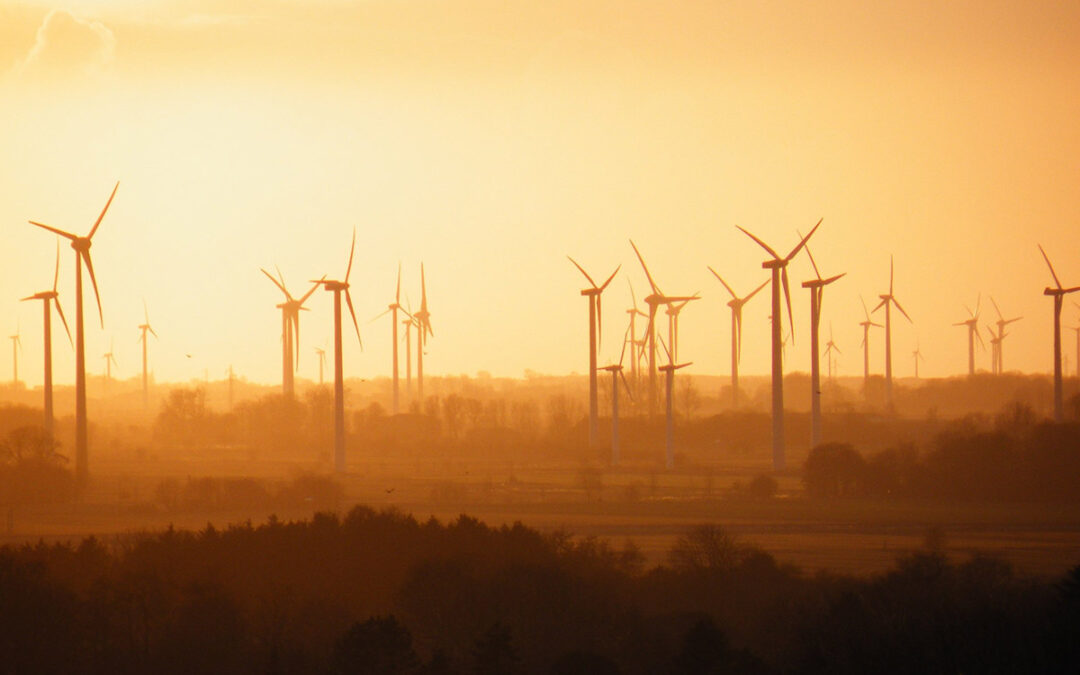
669,429
16,343
653,300
616,371
830,347
817,294
596,322
82,253
866,324
673,310
1058,294
635,355
337,287
736,304
144,329
47,298
917,355
778,267
110,359
999,363
973,332
423,330
887,301
392,309
290,330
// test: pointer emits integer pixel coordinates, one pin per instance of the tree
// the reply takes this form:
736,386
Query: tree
494,653
379,646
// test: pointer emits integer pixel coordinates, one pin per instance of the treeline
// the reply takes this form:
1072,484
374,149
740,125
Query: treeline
1016,458
381,592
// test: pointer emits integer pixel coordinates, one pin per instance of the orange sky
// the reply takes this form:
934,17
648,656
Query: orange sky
489,139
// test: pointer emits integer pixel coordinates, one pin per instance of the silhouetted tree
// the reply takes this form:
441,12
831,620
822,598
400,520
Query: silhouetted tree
378,646
494,653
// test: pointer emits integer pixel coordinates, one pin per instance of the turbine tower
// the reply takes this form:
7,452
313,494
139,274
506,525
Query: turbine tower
887,301
999,364
143,330
1058,293
736,304
596,322
337,287
778,267
47,298
817,294
110,359
673,310
653,300
81,245
290,331
973,332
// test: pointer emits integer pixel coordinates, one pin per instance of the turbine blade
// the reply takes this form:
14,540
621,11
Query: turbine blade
816,272
655,289
626,385
315,286
760,243
755,292
864,307
802,243
380,315
56,272
879,306
787,298
715,274
890,274
276,283
738,335
1047,259
53,229
633,298
996,309
296,339
605,284
61,313
897,303
397,293
93,280
582,270
828,281
352,250
98,221
423,290
622,354
348,299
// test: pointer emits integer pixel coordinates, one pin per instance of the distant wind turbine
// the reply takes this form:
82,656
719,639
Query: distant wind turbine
866,324
669,428
144,329
653,300
778,267
999,360
972,323
887,301
337,288
110,360
321,353
48,298
1058,293
736,304
16,344
830,347
635,355
616,371
917,356
290,331
817,293
594,293
82,253
392,309
423,330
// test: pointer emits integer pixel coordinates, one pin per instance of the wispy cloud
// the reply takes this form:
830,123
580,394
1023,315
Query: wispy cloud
67,46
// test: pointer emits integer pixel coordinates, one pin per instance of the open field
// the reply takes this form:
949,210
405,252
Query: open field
638,504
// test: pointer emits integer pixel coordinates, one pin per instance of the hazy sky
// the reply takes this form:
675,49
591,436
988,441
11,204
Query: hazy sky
490,139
